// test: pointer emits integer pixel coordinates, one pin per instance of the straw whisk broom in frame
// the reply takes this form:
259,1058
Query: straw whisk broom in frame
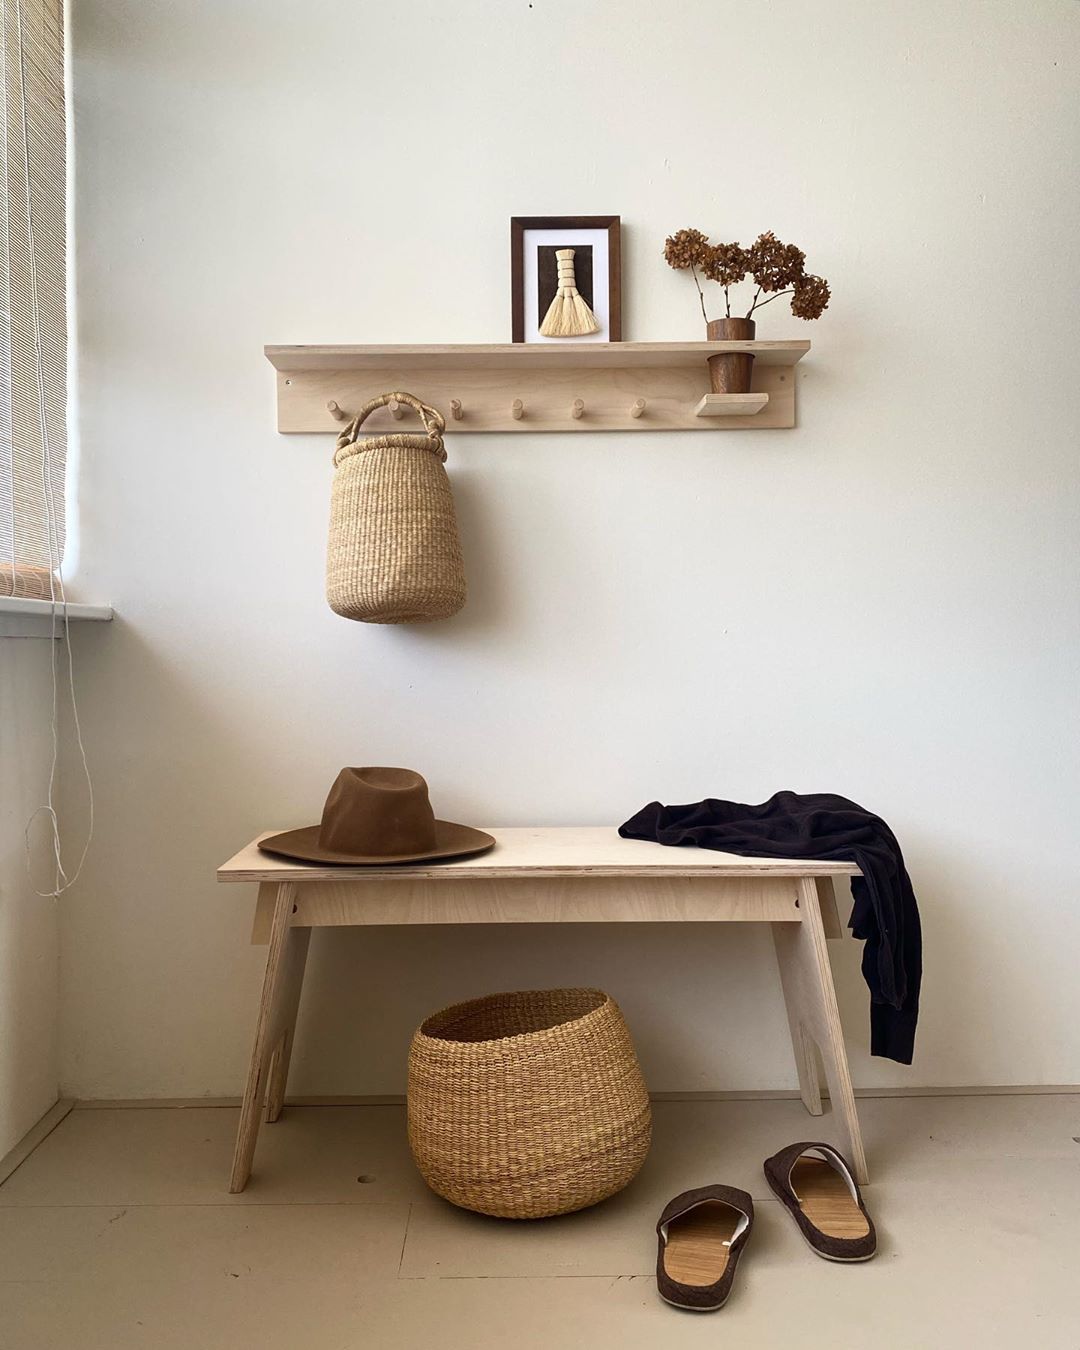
568,314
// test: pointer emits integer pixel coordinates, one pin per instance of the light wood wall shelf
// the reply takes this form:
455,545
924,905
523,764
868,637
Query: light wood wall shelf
529,387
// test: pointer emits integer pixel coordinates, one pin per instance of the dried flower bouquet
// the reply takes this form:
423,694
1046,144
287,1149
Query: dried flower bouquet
777,269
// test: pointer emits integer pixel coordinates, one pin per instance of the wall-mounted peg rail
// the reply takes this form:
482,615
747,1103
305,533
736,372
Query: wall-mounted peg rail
532,387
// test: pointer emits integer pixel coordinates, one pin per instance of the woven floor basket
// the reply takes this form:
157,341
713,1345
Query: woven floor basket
529,1104
394,554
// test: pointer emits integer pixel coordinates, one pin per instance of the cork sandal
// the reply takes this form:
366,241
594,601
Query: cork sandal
700,1236
817,1185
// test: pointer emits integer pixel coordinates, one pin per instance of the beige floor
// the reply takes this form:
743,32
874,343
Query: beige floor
116,1232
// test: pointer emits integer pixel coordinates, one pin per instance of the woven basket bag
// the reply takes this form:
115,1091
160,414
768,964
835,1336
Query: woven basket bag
528,1104
394,554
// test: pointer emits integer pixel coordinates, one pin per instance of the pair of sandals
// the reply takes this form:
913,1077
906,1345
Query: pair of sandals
702,1233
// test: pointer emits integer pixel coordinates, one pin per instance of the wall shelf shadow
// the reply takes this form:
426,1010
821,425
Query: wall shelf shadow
534,387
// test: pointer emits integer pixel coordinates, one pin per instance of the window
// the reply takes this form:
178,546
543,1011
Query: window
33,299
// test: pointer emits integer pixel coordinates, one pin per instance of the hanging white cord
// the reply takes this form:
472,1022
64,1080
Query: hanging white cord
56,572
7,333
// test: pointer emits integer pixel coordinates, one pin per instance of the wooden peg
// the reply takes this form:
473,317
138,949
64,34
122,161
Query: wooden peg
455,409
638,408
397,412
517,408
338,414
578,408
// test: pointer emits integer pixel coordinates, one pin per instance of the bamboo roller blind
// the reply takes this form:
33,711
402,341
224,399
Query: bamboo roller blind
33,297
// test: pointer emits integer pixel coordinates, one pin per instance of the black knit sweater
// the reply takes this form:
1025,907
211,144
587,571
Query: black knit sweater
819,825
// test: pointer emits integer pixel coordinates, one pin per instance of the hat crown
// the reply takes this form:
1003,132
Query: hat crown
378,812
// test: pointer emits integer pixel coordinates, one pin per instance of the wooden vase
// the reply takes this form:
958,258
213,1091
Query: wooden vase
731,372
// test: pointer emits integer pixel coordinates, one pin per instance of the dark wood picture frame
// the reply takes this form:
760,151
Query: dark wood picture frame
518,226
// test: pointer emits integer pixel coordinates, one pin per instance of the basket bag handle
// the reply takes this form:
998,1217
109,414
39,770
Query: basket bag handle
434,426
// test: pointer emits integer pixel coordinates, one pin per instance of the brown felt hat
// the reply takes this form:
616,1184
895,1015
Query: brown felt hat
378,816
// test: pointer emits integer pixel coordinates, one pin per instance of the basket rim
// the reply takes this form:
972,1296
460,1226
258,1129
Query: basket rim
390,440
605,1003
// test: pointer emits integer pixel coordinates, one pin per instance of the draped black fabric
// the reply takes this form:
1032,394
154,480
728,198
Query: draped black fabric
819,825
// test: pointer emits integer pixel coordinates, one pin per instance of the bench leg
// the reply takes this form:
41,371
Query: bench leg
284,975
291,984
814,1018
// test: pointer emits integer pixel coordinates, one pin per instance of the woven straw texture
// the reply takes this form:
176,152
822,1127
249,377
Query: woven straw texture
394,554
527,1104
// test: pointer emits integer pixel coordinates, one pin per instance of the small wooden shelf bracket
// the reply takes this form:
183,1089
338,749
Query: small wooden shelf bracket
731,405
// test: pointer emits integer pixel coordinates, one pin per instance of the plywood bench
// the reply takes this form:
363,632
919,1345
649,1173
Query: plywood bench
569,875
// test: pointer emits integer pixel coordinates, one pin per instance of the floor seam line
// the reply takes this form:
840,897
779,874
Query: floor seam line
404,1240
265,1204
211,1204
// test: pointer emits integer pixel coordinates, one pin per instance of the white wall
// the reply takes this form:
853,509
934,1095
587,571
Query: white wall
29,942
882,602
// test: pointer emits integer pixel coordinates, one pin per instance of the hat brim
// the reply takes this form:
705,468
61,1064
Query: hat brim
451,841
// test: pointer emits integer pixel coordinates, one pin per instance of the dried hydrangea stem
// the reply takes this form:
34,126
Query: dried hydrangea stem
771,298
701,293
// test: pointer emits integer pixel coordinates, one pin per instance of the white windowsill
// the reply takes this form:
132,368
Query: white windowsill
20,617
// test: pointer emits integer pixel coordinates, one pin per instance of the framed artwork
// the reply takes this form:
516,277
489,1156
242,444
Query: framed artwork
565,279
